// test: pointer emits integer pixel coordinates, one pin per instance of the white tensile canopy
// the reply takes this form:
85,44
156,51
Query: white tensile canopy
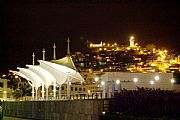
51,73
44,74
34,78
76,77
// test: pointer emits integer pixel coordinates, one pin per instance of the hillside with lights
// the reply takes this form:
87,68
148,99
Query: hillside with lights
107,57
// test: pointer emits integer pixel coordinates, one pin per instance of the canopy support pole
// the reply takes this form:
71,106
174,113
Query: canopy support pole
68,87
54,89
33,92
36,93
46,93
59,91
42,91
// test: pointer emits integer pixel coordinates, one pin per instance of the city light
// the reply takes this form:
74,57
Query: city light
102,83
135,80
103,113
89,91
16,77
117,81
3,75
96,79
151,82
156,78
132,37
172,80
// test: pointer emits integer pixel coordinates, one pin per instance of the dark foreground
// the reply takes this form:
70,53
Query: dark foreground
144,104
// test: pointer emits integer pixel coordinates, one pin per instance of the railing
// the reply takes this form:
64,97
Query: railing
73,97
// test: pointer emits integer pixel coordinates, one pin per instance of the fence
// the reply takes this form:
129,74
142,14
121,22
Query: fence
55,110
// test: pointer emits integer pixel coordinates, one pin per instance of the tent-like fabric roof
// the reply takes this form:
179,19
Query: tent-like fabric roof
35,79
44,74
66,70
58,75
23,76
20,74
65,61
48,72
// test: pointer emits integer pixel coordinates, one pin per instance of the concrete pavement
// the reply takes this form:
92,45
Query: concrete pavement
14,118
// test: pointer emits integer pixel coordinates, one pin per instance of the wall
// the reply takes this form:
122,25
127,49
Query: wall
126,80
55,110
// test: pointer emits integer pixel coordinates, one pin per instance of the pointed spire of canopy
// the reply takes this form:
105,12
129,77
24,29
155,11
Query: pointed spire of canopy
68,48
33,58
43,53
66,61
54,51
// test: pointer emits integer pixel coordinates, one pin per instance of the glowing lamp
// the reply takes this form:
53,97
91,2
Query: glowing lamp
16,76
132,37
102,83
172,80
151,82
104,113
156,78
135,80
96,79
117,81
89,91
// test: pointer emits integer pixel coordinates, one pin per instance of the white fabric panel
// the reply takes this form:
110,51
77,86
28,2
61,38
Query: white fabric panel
23,76
36,80
20,74
72,73
44,74
58,75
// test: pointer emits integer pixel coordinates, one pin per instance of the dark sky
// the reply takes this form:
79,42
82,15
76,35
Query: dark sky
31,26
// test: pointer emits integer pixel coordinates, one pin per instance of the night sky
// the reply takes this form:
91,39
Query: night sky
29,27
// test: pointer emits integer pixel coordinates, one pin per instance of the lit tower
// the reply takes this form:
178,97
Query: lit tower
33,58
54,51
43,53
131,40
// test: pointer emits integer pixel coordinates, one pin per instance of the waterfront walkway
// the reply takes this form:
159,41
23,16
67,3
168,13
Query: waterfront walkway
13,118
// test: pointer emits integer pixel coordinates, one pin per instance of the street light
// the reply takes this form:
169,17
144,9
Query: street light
118,85
102,83
117,81
156,78
172,80
135,80
151,82
96,79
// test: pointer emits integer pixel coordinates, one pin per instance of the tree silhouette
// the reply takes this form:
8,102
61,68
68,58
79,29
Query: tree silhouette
23,90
